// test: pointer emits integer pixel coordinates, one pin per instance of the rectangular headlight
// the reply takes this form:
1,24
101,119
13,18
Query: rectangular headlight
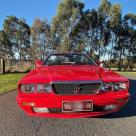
113,86
120,86
27,88
45,88
39,88
106,87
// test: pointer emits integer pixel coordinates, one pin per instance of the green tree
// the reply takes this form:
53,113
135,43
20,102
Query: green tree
17,32
124,46
117,33
5,46
41,39
93,29
85,32
103,28
130,51
68,14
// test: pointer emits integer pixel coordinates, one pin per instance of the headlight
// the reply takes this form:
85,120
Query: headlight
46,88
106,87
30,88
120,86
27,88
113,86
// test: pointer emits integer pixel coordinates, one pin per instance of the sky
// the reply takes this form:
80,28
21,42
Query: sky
30,9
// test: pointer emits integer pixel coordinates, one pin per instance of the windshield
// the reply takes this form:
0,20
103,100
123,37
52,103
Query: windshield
68,59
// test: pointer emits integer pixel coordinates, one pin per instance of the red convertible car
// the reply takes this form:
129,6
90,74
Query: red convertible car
70,85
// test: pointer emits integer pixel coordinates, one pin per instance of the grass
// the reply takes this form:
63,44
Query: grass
128,73
8,82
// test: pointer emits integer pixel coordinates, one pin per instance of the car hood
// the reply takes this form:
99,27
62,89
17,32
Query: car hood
72,73
47,74
61,73
111,76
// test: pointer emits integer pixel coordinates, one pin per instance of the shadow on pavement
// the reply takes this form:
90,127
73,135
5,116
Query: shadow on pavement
130,108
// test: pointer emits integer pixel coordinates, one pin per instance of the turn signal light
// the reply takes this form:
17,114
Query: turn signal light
28,104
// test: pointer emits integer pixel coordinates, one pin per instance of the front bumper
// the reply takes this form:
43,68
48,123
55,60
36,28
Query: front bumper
52,101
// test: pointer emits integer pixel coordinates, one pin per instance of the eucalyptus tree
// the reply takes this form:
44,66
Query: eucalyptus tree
123,40
117,32
18,34
130,24
93,29
40,39
69,13
85,32
5,46
103,28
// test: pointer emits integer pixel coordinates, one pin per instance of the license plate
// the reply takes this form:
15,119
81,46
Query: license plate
76,106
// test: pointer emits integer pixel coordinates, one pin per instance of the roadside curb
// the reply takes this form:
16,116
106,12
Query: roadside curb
7,92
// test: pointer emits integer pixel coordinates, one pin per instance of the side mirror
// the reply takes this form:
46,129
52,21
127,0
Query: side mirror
38,63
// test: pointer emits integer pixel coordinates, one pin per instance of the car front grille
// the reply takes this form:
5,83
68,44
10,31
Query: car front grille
76,87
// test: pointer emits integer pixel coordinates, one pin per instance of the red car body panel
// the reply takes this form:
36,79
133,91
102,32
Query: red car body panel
48,74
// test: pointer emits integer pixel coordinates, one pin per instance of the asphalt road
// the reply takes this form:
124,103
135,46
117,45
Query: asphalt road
14,122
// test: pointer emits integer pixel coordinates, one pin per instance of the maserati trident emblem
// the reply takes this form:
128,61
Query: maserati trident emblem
77,90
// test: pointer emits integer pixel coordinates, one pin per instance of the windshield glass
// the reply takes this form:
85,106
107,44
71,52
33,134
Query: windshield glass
68,59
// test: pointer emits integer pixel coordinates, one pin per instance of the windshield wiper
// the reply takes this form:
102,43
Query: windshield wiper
69,62
64,63
52,64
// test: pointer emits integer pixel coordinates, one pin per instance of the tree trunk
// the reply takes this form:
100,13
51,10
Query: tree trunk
2,64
